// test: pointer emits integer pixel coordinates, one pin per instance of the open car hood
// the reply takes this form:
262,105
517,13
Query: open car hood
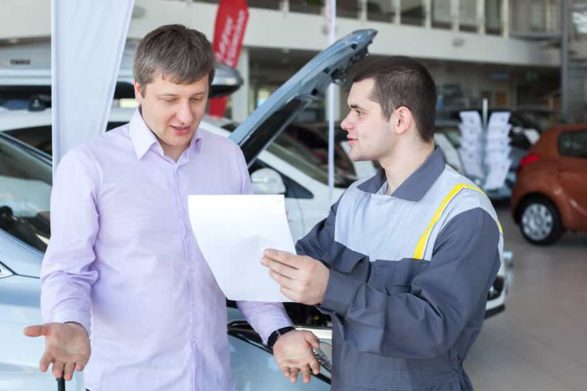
306,86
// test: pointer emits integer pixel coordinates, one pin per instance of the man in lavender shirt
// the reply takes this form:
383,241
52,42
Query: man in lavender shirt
123,269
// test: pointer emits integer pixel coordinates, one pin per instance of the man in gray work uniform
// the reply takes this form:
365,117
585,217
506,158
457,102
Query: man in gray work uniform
405,259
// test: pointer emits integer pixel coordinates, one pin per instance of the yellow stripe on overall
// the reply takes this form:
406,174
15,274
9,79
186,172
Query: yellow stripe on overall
423,242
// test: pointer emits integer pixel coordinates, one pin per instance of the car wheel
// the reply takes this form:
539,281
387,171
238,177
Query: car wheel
540,221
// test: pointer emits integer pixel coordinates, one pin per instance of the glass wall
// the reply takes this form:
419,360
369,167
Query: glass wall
493,13
441,17
306,6
468,15
535,16
412,12
348,8
270,4
381,10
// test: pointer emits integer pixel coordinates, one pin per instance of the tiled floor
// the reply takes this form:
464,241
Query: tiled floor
540,341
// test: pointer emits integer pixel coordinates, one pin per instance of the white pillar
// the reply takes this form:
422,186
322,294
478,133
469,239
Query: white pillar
428,14
397,15
240,99
336,104
481,16
284,6
362,4
505,18
454,15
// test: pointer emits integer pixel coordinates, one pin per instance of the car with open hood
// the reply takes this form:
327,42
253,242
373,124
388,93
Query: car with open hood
25,180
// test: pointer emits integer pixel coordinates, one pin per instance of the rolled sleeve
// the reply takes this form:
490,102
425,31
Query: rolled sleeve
67,274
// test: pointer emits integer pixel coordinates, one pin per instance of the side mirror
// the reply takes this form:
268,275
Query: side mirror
267,181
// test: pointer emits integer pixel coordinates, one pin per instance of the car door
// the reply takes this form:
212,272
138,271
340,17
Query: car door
572,169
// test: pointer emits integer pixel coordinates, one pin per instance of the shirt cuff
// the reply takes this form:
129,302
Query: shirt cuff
73,316
340,292
265,318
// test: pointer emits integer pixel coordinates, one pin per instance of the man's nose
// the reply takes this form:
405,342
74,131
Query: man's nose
346,123
185,114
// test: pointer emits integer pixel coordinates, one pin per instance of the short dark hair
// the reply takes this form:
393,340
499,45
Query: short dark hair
179,53
402,81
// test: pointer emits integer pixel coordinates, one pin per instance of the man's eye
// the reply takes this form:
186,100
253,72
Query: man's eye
169,100
196,99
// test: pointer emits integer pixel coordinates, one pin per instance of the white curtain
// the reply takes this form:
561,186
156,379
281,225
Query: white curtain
87,41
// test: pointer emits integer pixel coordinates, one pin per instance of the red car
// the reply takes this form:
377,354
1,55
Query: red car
550,194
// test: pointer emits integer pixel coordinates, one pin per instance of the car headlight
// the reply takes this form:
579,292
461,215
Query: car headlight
4,271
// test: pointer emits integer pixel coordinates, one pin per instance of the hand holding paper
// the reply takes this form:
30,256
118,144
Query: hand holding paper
303,279
232,232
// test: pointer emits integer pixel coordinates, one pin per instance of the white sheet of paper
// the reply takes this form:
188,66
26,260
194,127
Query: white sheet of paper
232,232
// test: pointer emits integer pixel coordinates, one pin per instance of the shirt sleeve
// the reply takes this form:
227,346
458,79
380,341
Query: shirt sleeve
265,318
67,274
425,317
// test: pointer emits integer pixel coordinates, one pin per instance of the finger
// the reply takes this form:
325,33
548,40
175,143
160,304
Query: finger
33,331
272,253
57,369
313,340
68,370
315,366
79,366
306,374
286,371
45,361
291,260
281,268
281,280
293,377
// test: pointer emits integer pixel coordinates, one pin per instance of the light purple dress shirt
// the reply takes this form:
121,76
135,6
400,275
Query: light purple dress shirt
124,263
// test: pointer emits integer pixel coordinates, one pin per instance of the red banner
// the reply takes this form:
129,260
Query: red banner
229,30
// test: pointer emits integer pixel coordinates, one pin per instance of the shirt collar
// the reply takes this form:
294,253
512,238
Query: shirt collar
416,185
143,138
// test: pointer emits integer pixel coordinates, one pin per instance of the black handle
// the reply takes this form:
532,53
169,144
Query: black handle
60,384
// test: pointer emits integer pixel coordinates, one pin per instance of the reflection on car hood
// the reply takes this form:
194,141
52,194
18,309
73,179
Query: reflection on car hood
307,85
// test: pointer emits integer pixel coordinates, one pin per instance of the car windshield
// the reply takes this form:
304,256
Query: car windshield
25,191
301,157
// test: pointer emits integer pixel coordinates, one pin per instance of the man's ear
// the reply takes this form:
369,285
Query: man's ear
138,92
403,121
